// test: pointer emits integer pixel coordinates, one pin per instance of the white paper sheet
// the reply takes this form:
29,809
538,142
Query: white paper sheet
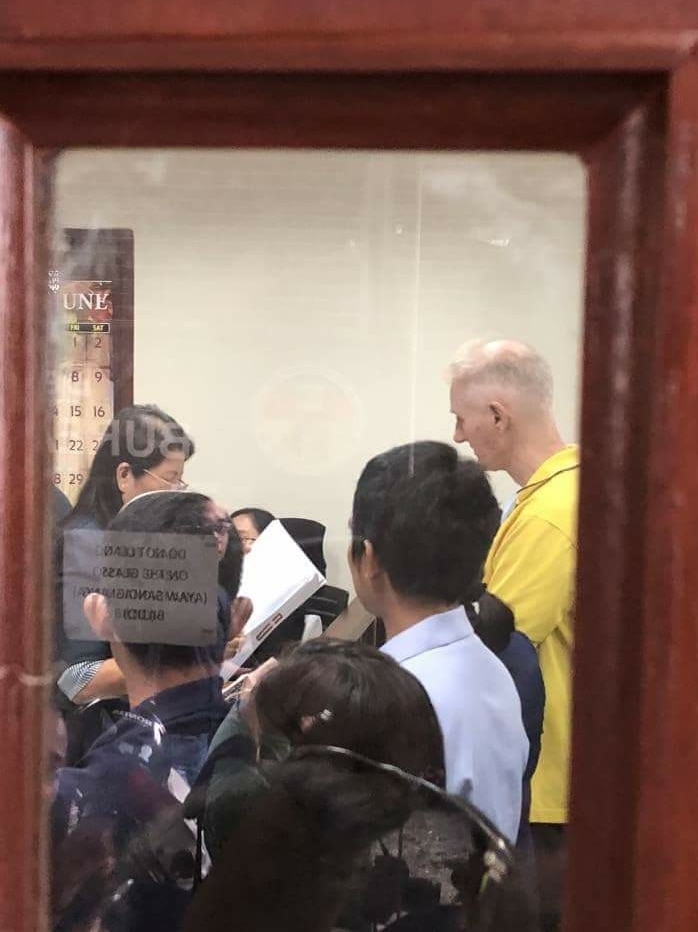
277,577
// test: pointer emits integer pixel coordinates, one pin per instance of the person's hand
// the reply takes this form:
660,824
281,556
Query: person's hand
240,612
255,677
233,646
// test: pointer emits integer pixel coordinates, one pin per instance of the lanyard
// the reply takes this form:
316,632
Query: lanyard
540,482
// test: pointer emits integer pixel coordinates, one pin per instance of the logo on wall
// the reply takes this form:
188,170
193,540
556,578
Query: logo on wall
307,421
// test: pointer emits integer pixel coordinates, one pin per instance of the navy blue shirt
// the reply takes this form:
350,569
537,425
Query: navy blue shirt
124,785
170,731
521,660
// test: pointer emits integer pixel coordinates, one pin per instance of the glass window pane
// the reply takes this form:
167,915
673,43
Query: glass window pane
294,314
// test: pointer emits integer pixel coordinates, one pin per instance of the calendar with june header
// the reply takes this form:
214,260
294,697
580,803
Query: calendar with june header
91,287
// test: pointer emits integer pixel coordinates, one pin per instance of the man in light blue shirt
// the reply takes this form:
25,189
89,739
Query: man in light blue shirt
420,535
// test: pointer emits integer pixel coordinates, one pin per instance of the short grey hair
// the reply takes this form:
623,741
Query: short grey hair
505,363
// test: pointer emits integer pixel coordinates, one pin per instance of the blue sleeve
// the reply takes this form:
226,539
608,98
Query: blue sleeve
521,660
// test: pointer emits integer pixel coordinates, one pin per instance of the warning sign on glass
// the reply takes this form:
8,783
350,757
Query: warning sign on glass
157,588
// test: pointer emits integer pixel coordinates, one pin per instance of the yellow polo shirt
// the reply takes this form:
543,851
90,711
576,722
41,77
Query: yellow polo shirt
531,566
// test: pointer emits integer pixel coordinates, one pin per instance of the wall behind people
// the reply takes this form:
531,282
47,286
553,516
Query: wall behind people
296,310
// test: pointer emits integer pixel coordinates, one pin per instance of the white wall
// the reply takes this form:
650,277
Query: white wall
295,310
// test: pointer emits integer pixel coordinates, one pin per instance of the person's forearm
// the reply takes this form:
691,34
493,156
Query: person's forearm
107,683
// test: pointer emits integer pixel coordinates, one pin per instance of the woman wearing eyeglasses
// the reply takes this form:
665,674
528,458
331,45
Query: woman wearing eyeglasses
143,450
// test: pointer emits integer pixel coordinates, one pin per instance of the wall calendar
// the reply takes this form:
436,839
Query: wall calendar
91,284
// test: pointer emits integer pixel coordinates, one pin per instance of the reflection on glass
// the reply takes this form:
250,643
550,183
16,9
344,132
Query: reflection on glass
251,347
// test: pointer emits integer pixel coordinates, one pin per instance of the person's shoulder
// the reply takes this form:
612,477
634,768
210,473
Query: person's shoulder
70,781
441,670
89,785
127,767
521,659
561,491
489,666
520,649
556,500
551,515
485,688
61,506
455,660
77,521
233,727
133,738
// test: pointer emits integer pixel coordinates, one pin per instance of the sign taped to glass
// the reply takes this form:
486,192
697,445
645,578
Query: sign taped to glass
160,588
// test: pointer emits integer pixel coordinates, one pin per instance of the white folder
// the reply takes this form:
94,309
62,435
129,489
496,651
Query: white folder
278,578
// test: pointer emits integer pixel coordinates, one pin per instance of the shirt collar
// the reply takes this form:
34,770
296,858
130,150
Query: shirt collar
434,631
562,461
184,700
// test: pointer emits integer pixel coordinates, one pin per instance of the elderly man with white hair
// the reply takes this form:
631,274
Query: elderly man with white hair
501,396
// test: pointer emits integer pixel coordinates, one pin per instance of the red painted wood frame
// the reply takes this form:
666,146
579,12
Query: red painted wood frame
613,80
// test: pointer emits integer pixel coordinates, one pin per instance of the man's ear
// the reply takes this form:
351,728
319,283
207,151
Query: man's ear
97,613
123,474
371,564
500,415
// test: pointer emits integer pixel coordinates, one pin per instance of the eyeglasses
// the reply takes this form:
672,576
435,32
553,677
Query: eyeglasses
215,527
176,484
455,834
221,527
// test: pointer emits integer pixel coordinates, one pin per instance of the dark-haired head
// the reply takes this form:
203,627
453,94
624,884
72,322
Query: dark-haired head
143,449
351,695
422,517
167,513
250,522
310,537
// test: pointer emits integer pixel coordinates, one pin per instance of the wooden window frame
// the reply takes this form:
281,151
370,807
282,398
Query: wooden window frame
613,81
